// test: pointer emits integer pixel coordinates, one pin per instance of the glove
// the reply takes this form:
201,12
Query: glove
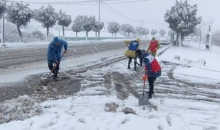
155,49
144,77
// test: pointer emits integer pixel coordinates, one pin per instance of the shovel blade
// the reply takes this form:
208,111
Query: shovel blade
143,99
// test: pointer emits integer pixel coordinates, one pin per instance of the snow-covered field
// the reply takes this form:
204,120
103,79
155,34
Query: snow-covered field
173,107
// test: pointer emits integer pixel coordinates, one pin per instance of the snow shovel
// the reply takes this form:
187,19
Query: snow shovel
143,98
55,66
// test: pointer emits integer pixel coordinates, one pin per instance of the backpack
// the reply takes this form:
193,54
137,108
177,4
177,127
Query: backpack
133,45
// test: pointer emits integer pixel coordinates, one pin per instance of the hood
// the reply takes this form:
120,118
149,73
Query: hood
138,40
56,39
143,54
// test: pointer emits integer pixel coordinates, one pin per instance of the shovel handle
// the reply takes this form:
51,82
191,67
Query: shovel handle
144,81
56,64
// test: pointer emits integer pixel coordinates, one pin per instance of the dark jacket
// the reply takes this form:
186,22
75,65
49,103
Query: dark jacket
54,52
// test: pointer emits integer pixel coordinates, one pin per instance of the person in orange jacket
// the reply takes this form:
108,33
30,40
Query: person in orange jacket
152,69
153,47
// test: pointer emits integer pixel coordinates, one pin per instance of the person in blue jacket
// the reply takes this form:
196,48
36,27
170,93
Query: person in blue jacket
54,54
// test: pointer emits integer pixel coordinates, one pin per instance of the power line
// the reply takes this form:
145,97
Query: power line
87,2
128,2
128,18
81,2
118,13
63,3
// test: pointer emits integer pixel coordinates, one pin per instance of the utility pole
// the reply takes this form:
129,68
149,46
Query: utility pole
59,31
99,20
210,38
2,30
200,36
141,28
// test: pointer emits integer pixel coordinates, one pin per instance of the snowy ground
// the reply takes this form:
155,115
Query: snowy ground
35,44
186,98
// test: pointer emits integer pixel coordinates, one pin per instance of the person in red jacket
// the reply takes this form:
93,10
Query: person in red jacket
152,69
153,47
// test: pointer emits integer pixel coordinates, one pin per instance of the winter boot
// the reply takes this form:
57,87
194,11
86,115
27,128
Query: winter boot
55,78
149,95
129,66
55,75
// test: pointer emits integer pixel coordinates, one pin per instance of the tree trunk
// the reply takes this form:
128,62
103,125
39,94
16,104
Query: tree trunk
182,37
63,32
76,36
179,39
115,35
95,35
86,36
47,33
112,35
3,29
99,35
19,31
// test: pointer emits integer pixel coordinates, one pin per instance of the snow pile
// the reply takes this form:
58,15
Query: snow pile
3,46
128,110
19,109
111,107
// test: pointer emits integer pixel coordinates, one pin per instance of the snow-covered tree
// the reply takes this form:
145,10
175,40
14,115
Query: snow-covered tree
140,31
113,28
145,32
97,27
19,14
127,28
11,33
64,20
182,19
2,7
153,32
197,32
162,32
78,24
171,32
46,16
134,33
216,38
88,24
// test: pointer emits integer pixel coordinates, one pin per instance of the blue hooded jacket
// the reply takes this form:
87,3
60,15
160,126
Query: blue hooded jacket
54,52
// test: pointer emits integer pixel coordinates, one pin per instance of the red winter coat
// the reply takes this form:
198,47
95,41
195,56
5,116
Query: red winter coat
153,46
152,66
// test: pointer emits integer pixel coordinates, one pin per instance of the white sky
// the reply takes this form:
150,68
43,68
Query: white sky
151,11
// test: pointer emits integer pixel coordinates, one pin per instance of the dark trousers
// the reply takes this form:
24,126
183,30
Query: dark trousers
129,62
56,70
151,84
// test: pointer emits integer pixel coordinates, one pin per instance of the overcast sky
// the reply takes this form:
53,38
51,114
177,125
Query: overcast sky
151,11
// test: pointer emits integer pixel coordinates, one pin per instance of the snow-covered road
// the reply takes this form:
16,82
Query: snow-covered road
185,102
